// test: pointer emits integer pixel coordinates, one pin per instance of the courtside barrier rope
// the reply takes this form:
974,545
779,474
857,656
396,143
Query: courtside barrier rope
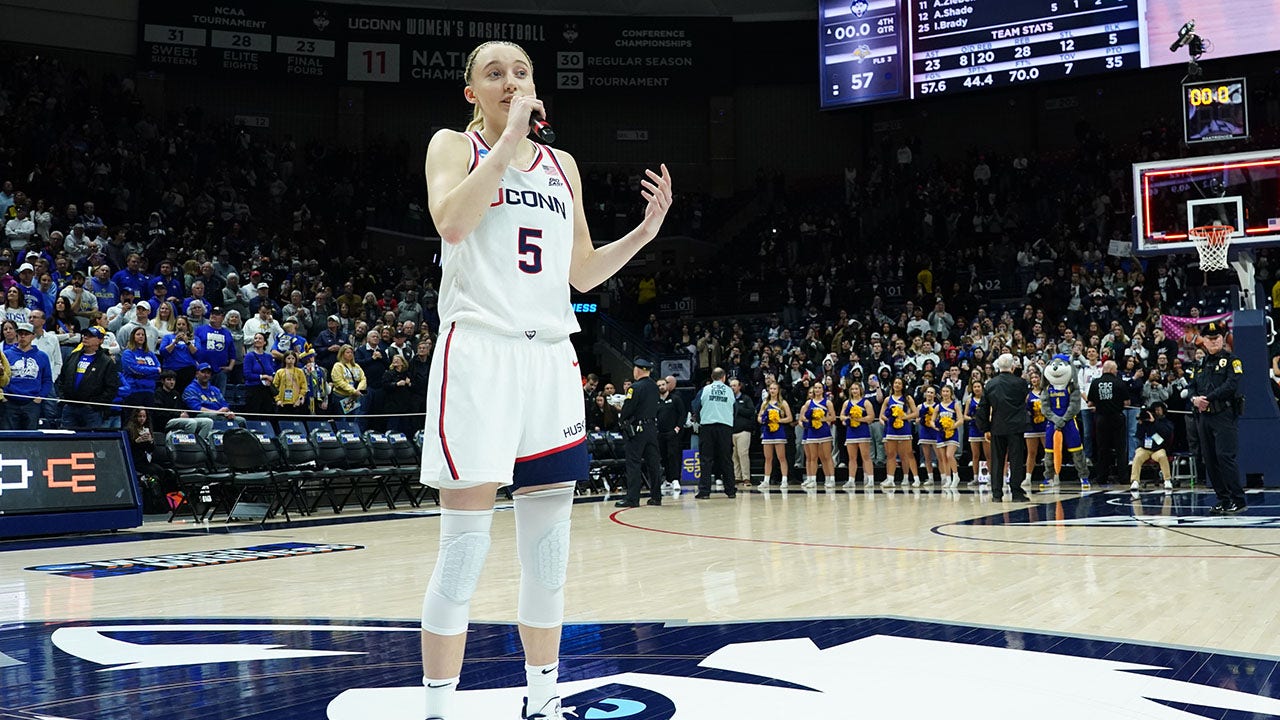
210,413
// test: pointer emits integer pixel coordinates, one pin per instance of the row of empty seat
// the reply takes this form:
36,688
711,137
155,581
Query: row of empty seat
248,473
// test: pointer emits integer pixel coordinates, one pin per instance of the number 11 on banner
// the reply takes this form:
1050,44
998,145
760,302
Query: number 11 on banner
373,62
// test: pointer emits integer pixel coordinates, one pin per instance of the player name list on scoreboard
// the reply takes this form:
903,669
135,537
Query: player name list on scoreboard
972,44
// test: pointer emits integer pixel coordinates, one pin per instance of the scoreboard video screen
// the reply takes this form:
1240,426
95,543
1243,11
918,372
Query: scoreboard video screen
876,50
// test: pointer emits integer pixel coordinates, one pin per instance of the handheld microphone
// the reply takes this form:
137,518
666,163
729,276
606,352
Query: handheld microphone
541,128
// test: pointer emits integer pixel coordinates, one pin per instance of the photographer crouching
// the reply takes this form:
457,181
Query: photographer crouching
1154,437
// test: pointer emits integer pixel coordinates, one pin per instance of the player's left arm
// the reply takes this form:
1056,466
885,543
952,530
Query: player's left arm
590,265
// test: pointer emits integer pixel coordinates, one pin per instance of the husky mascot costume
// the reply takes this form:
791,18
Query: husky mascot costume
1062,429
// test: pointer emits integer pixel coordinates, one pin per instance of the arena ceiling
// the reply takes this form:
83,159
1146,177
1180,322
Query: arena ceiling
748,10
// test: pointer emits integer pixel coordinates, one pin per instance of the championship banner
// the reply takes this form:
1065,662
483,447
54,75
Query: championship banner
276,40
1174,325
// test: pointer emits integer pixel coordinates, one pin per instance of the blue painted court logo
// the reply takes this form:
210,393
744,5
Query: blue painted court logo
825,670
1183,510
172,561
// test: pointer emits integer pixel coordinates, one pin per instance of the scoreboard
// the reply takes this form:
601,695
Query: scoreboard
300,40
873,50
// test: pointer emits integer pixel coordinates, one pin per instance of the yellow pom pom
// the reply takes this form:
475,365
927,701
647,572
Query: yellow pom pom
816,417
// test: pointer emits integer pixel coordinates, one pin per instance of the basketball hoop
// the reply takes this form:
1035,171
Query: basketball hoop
1213,242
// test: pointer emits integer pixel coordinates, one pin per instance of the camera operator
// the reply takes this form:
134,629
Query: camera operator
1155,433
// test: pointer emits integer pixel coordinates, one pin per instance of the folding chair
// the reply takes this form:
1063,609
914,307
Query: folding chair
295,426
331,457
252,473
313,425
299,454
409,457
261,427
383,457
367,477
198,484
347,424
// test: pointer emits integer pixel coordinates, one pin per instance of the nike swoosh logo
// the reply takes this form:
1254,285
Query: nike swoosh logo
575,363
548,672
433,686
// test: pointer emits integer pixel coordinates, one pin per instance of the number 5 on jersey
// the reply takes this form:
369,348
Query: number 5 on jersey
533,263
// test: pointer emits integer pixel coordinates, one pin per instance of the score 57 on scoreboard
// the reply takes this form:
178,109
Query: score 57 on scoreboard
890,49
290,40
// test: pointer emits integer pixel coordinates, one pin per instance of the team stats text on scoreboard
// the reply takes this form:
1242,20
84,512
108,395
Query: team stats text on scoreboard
878,50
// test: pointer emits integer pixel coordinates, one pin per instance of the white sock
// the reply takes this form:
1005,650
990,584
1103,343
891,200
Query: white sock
439,696
541,681
1028,477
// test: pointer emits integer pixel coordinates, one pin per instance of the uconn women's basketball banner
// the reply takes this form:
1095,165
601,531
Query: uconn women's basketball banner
369,43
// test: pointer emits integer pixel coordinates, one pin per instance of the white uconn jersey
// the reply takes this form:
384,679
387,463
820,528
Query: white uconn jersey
512,272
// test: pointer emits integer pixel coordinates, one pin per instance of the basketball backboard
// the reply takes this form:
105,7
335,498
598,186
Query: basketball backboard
1241,190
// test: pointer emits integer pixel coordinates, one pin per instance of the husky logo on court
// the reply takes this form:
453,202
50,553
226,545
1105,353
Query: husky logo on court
863,667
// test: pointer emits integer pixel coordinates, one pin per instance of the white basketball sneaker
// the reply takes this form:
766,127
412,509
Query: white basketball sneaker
550,711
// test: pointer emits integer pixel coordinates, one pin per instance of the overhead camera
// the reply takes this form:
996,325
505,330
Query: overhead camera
1196,46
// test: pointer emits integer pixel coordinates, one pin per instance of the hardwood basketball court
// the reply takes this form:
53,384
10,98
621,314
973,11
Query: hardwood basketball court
829,603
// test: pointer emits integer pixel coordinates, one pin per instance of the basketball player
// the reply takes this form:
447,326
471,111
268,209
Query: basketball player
515,237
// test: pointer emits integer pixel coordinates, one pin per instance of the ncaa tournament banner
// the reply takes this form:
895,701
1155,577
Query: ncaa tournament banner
289,41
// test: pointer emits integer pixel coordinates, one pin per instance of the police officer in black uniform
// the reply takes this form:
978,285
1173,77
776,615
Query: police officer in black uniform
639,423
1216,398
671,417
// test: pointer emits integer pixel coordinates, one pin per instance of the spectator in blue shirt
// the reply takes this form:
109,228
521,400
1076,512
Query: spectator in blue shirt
259,368
264,298
197,296
30,376
330,340
203,397
172,283
33,297
216,346
133,278
107,292
178,352
139,369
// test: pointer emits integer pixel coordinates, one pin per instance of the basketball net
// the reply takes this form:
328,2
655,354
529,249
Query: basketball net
1212,241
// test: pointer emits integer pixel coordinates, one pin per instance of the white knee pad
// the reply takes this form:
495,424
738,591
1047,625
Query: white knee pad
542,542
464,545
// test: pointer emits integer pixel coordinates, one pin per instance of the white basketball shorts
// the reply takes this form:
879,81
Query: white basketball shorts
503,409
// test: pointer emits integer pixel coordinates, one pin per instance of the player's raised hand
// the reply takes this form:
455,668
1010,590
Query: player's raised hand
657,192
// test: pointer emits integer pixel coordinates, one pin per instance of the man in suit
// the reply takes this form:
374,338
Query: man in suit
1002,416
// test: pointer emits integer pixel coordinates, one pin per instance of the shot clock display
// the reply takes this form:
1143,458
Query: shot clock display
875,50
1215,110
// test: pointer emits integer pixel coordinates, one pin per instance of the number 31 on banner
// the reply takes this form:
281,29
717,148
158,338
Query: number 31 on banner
373,62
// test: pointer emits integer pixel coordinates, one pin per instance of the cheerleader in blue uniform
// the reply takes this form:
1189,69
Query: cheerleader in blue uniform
928,426
815,418
897,413
1034,435
979,451
857,416
774,417
949,419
